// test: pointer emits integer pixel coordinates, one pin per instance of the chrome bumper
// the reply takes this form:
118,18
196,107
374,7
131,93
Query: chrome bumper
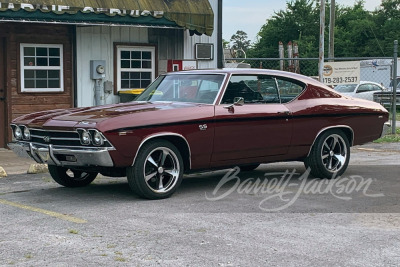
386,128
63,156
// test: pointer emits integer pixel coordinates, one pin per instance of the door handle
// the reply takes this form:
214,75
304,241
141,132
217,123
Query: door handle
287,112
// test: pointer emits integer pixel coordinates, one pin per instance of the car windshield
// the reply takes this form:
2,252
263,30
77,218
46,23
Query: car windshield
345,88
193,88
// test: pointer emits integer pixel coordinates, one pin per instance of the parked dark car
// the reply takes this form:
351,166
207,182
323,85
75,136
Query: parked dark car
200,120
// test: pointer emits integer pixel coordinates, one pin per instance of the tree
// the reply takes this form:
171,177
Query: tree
240,41
358,32
299,22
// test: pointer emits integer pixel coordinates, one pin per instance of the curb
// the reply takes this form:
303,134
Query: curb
2,172
33,169
37,168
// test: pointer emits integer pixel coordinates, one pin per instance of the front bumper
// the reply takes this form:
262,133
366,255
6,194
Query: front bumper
63,156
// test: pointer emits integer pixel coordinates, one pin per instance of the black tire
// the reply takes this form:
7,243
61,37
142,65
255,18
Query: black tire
71,178
158,170
330,155
247,168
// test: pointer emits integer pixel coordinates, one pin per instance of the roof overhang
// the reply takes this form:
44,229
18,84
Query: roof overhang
194,15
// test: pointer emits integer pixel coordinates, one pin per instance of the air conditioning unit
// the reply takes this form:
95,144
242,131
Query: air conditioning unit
204,51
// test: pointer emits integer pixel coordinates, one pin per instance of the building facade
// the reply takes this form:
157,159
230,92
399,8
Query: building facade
59,56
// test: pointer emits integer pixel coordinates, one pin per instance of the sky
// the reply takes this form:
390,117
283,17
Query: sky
250,15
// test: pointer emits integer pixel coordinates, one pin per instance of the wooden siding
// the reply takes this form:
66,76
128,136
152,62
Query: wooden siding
190,41
23,102
169,42
97,43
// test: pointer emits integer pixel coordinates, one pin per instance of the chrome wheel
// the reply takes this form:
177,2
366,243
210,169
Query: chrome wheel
330,154
334,153
157,171
161,170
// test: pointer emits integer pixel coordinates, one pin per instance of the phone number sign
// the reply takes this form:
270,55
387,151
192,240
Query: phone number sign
341,72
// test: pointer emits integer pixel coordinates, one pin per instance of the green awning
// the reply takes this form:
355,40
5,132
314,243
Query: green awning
194,15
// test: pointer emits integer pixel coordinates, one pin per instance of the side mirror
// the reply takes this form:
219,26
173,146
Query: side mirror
237,101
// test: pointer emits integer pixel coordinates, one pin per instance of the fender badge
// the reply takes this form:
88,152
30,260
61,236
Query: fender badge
203,127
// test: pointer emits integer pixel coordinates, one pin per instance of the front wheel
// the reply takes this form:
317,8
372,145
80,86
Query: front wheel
158,170
330,155
71,178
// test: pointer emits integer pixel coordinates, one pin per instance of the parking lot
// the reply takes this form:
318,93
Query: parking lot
221,218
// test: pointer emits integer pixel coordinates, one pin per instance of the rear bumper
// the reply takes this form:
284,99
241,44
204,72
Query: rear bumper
63,156
386,128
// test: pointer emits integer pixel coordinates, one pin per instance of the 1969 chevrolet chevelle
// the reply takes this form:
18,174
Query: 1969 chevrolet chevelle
200,120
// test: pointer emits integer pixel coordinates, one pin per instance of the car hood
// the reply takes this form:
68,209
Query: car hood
95,115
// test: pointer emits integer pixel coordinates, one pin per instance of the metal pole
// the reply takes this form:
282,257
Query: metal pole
331,53
396,45
220,49
321,41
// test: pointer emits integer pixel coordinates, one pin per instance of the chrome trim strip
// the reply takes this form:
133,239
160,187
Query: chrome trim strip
160,135
332,127
57,138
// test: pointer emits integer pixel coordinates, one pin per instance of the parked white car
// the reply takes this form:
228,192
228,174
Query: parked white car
364,90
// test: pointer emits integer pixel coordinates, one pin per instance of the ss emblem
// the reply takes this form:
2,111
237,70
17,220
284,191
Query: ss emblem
203,127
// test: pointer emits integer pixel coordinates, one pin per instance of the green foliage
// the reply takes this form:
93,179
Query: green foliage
358,32
390,138
240,41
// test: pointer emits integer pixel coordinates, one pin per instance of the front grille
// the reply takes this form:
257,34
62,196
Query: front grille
59,138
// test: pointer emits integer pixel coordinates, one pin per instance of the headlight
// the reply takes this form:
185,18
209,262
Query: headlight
18,133
27,133
85,137
98,139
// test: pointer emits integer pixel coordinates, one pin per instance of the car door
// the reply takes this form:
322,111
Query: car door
257,128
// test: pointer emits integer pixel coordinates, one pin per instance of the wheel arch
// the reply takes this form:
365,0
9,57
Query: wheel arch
347,130
177,140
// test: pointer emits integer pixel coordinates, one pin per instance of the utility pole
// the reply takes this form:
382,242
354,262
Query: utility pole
332,18
395,54
321,41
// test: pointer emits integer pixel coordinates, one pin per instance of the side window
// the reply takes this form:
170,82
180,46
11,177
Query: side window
376,88
288,90
252,88
364,88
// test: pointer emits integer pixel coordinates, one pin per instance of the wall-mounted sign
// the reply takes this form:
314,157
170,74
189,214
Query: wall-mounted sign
74,10
341,72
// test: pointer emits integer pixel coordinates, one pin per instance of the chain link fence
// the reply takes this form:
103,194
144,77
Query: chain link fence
378,70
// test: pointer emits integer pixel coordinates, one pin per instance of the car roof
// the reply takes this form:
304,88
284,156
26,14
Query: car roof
248,71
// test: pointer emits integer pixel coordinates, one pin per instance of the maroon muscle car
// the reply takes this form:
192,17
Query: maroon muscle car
200,120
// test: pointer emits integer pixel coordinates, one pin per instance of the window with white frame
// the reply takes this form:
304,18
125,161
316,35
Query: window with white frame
41,68
135,67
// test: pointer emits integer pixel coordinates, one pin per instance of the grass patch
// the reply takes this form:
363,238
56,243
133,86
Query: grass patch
72,231
389,138
120,259
397,114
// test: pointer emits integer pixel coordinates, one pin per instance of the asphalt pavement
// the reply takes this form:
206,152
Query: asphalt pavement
294,220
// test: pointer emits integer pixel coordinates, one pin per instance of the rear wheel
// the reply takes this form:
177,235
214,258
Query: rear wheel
158,170
330,155
71,178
